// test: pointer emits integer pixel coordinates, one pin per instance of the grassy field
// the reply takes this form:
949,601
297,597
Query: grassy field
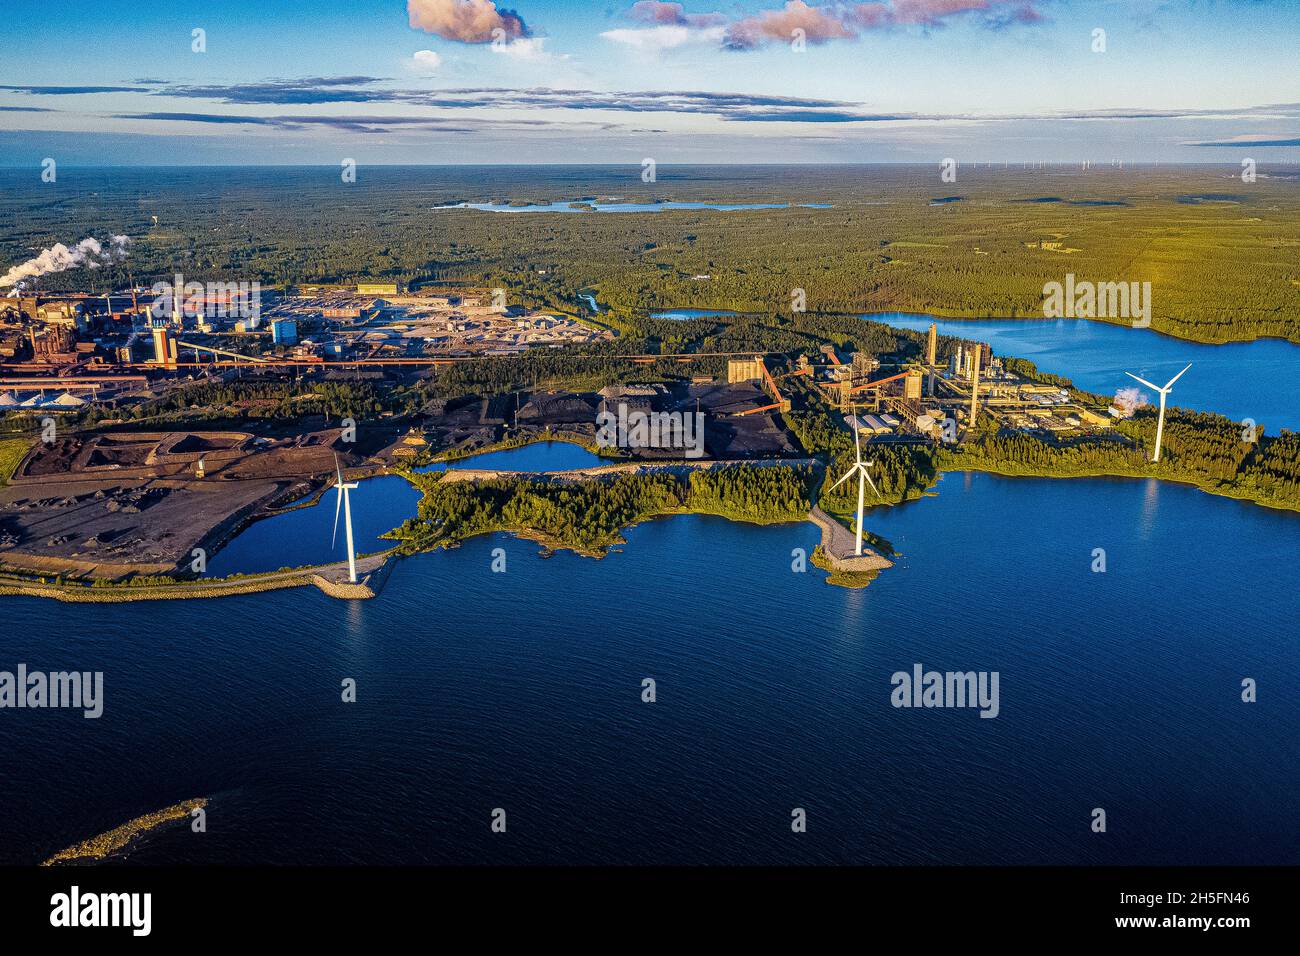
11,453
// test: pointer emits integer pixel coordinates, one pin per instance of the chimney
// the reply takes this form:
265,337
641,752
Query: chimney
974,384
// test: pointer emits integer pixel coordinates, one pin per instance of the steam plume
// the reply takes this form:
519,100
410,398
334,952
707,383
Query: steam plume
1129,400
89,252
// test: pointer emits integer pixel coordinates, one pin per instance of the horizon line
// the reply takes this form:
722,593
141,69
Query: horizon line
1099,165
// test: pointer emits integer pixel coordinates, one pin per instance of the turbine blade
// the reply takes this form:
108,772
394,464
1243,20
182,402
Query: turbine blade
874,489
1177,377
337,505
847,475
1144,381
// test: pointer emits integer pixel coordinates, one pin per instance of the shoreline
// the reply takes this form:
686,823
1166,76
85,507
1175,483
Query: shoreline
933,314
833,553
375,568
876,316
372,571
1122,475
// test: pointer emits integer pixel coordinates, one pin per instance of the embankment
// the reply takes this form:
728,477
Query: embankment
839,544
331,579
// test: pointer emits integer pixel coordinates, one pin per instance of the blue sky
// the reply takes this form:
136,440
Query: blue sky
303,81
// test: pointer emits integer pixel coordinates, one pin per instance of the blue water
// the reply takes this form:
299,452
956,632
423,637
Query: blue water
302,536
683,314
539,456
521,690
565,206
1259,380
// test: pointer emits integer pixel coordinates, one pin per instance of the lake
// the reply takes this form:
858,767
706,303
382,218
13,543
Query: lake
538,456
1259,380
522,690
1256,380
568,206
302,536
681,315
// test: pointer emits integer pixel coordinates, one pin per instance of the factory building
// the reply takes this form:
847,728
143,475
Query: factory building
744,370
284,332
164,345
931,426
968,361
69,314
378,288
54,340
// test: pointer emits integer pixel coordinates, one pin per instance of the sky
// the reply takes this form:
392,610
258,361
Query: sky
126,82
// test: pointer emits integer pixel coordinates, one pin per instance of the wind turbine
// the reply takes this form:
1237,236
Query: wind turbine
861,470
345,503
1164,393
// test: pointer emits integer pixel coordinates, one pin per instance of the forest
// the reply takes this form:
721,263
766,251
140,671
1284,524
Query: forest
1223,256
588,516
1208,451
900,472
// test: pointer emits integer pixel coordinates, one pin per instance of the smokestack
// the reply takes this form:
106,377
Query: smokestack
974,385
931,348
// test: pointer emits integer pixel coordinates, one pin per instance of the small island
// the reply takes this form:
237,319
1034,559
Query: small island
115,840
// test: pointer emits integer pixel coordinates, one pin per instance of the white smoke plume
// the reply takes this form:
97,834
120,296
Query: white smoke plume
1129,400
90,253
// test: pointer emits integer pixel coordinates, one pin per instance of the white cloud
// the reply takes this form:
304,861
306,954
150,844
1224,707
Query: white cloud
425,61
664,37
527,48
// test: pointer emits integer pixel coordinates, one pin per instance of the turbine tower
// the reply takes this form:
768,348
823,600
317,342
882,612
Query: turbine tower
1164,393
861,470
345,503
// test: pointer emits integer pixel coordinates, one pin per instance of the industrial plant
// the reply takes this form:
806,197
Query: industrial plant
59,352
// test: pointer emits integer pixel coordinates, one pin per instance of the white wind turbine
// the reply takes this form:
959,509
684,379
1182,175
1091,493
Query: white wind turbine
861,470
1164,393
345,503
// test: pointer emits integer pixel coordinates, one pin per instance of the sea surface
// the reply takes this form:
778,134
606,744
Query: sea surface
522,690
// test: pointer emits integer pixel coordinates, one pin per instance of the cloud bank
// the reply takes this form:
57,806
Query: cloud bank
672,26
466,21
